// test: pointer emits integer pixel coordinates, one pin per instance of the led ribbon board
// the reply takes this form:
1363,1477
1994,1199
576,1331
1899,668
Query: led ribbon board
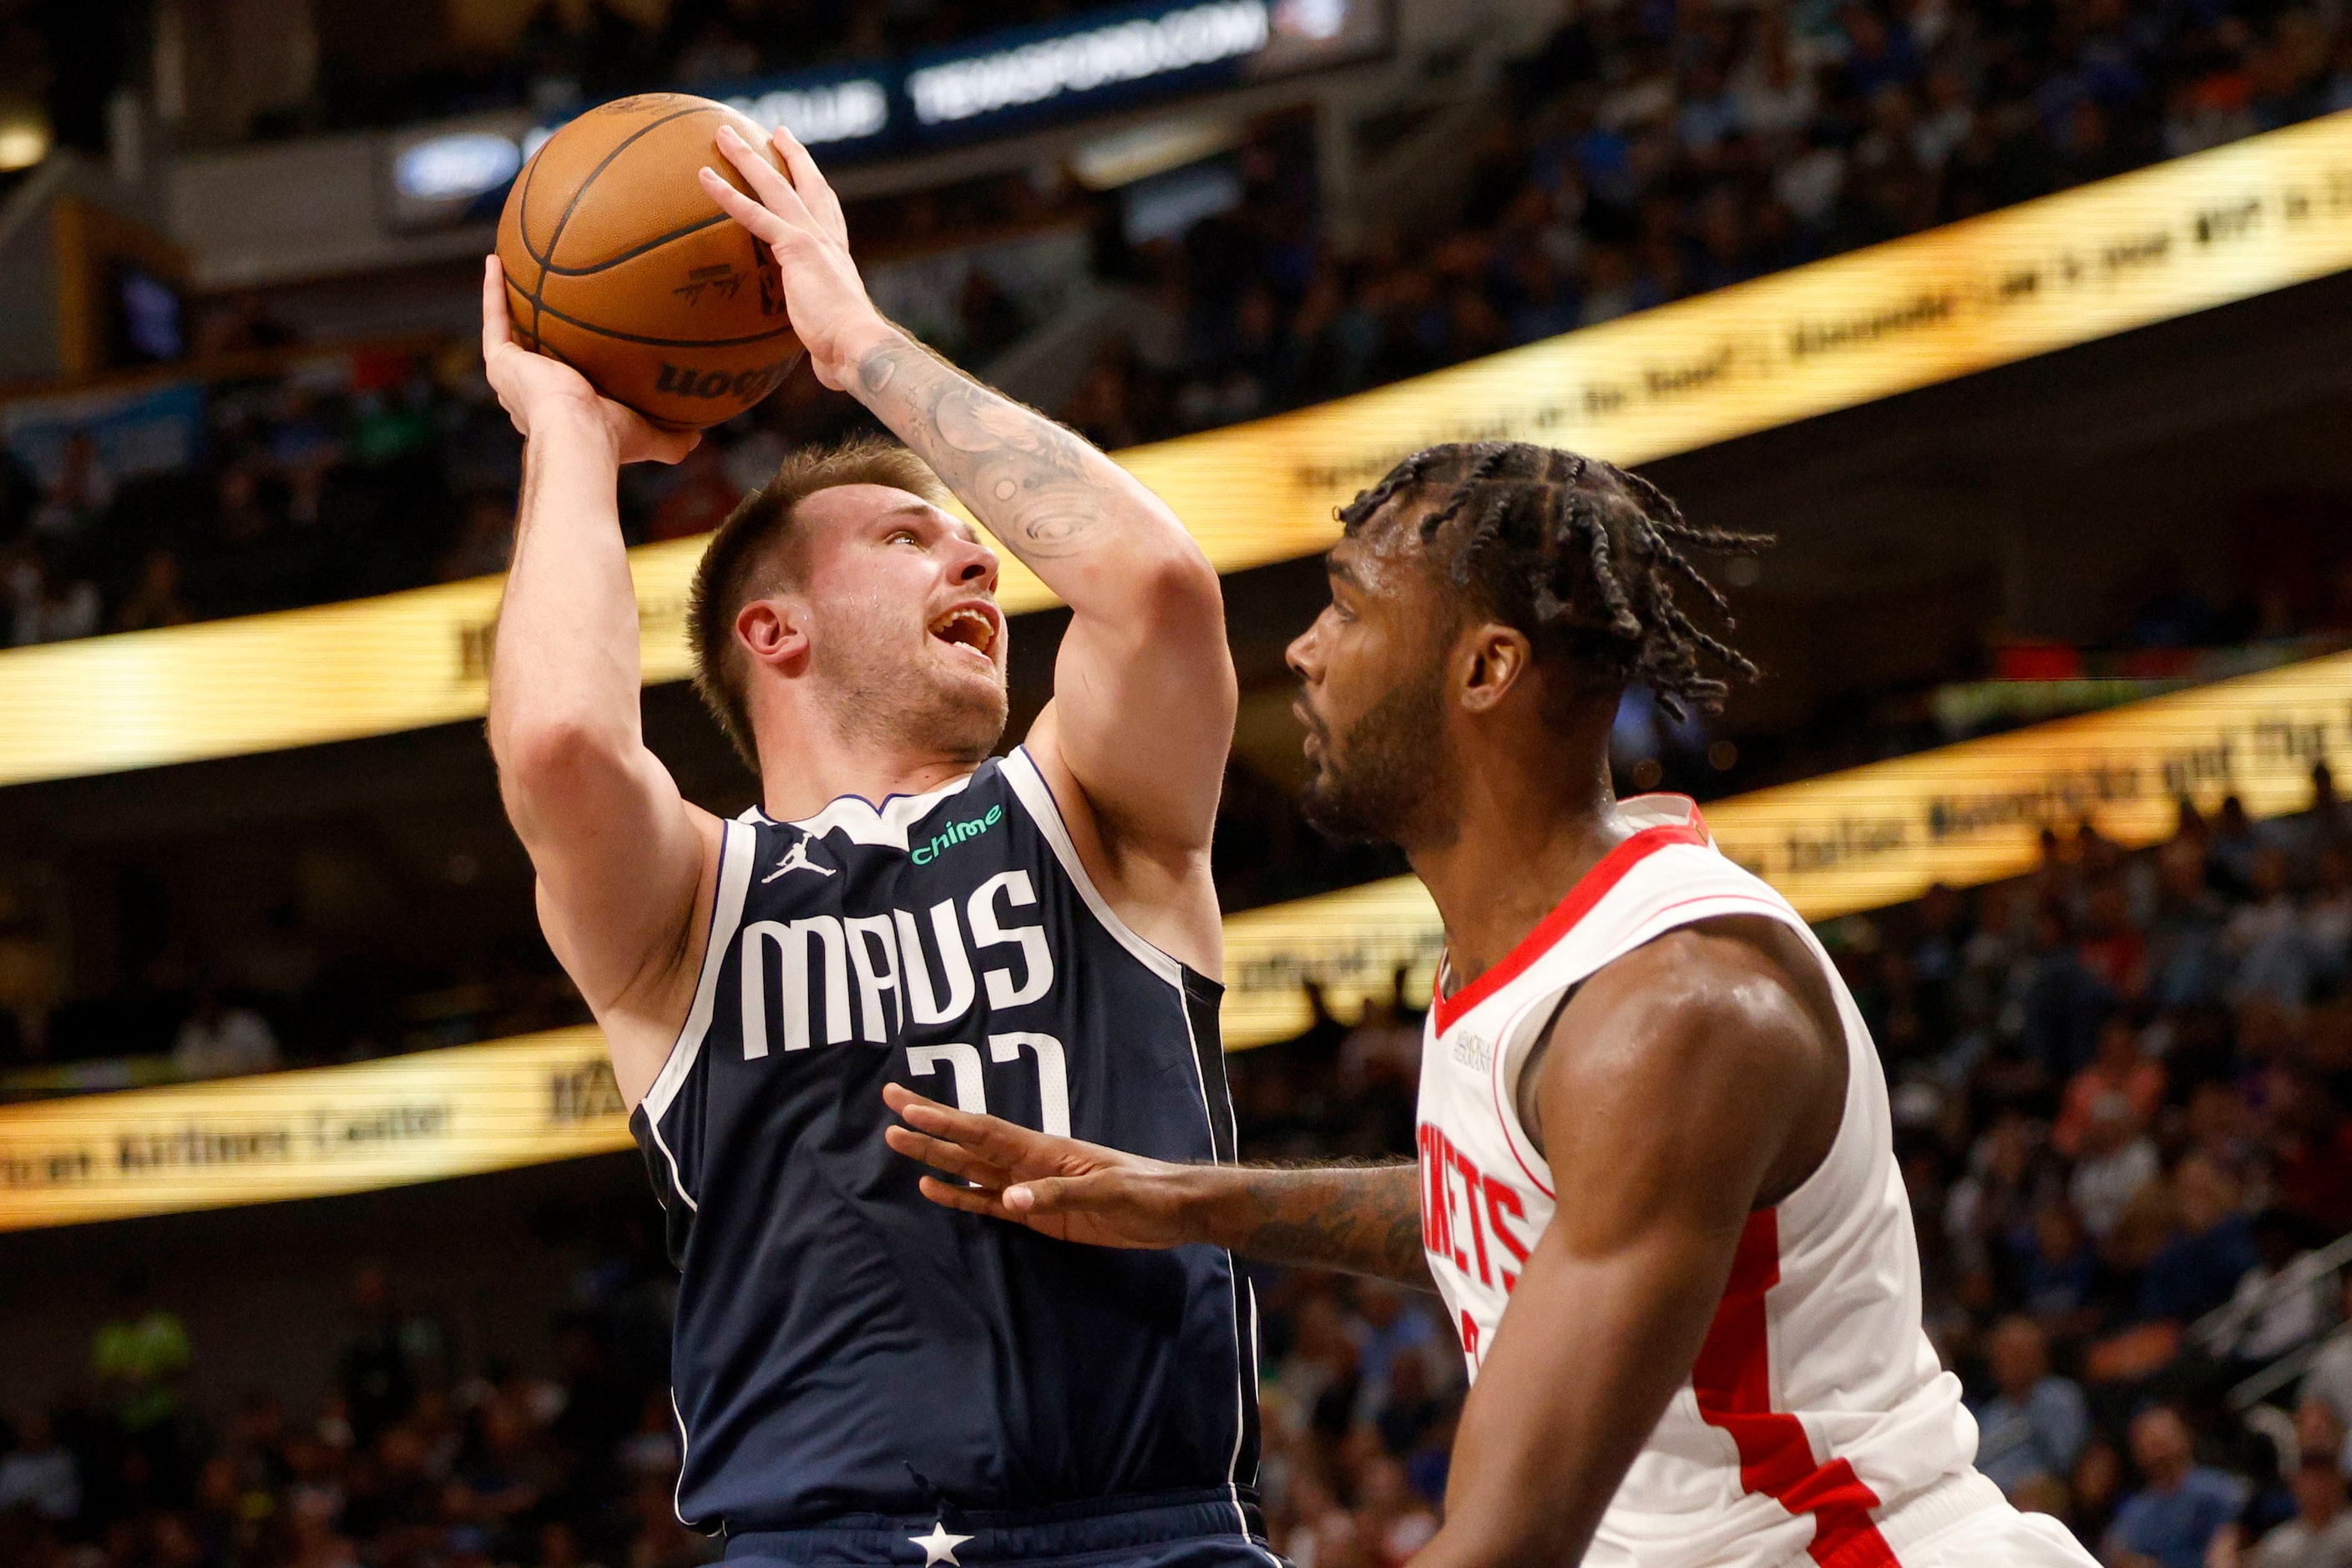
1847,842
2239,220
1873,835
309,1134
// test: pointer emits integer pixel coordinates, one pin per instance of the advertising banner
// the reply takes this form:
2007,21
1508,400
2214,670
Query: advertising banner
1835,846
2256,215
1874,836
309,1134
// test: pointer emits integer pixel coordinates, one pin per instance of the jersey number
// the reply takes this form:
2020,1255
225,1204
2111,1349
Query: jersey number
971,1088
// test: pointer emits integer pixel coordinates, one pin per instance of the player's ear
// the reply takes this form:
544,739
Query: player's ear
1495,661
775,633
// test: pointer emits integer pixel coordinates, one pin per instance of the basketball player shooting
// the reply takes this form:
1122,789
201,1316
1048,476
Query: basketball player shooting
1651,1121
861,1376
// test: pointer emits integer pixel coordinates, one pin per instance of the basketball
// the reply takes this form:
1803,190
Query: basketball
619,264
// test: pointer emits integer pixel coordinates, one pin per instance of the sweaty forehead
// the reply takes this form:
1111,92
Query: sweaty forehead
840,508
1384,557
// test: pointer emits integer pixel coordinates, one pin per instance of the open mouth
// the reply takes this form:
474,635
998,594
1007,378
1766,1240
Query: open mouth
970,629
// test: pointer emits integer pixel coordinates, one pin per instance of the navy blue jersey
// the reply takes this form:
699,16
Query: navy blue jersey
844,1345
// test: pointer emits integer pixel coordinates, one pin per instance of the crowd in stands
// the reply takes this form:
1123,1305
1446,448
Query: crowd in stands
2120,1087
1646,153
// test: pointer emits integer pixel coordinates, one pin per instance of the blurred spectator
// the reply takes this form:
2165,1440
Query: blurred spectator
2320,1534
140,1356
2210,1250
154,599
2181,1506
2117,1163
377,1372
38,1472
2121,1074
220,1039
2036,1425
2266,937
82,492
2329,1382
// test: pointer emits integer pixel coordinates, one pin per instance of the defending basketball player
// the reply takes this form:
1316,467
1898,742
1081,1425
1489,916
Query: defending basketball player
860,1375
1652,1122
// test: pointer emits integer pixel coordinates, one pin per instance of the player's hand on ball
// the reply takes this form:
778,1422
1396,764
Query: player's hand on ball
532,388
800,219
1059,1186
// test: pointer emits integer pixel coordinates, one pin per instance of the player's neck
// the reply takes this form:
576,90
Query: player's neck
801,777
1527,830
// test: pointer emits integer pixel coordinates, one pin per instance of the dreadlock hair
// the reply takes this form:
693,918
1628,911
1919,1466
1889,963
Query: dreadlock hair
1577,552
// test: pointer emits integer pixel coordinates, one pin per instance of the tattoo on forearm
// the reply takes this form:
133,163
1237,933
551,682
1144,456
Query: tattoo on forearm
1028,477
1362,1219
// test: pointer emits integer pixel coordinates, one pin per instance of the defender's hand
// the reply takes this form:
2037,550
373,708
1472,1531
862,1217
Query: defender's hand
801,220
534,388
1058,1186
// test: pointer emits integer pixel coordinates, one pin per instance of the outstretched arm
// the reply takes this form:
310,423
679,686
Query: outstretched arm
621,857
1693,1092
1144,691
1359,1219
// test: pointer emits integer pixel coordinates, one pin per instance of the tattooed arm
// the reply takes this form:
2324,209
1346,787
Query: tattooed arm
1144,688
1361,1219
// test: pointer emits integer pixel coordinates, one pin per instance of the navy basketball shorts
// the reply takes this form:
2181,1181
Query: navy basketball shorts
1164,1529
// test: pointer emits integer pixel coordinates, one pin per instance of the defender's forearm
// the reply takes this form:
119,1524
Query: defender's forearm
1078,520
1358,1219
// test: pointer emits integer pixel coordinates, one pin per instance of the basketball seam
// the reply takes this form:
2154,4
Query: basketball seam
523,232
781,331
653,244
539,289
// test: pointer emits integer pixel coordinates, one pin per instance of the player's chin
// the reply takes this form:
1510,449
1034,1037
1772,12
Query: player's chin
968,715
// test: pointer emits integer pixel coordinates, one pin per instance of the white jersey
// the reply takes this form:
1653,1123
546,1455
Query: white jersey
1816,1421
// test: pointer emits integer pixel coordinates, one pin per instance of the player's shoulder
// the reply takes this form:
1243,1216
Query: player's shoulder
1669,872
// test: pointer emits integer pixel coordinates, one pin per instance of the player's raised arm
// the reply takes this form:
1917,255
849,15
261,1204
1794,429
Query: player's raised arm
1693,1092
1144,693
620,855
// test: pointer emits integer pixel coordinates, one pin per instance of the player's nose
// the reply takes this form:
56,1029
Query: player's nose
1303,657
972,564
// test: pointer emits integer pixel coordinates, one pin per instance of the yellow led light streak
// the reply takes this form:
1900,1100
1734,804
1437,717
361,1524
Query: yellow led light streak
1874,836
1848,842
2239,220
309,1134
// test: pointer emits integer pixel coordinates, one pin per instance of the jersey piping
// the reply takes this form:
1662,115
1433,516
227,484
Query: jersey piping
1589,890
1021,771
735,850
1732,1379
883,826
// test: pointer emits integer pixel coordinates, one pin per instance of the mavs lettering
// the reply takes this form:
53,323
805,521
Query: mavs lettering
842,1344
819,955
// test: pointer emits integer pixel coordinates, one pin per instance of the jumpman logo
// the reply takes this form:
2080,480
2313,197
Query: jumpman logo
796,860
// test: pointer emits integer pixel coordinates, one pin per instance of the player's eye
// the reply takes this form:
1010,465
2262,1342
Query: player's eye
908,534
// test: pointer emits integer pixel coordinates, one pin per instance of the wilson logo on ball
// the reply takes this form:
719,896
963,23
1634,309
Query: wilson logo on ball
750,386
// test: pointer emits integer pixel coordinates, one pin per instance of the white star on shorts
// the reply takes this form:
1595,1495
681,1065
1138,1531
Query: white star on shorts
939,1546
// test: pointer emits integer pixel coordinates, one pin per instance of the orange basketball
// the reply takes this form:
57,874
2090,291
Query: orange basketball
619,264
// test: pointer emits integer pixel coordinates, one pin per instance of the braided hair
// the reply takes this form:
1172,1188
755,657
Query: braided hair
1577,552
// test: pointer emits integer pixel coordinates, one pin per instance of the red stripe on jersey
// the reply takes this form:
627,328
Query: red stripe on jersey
1589,890
1733,1380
